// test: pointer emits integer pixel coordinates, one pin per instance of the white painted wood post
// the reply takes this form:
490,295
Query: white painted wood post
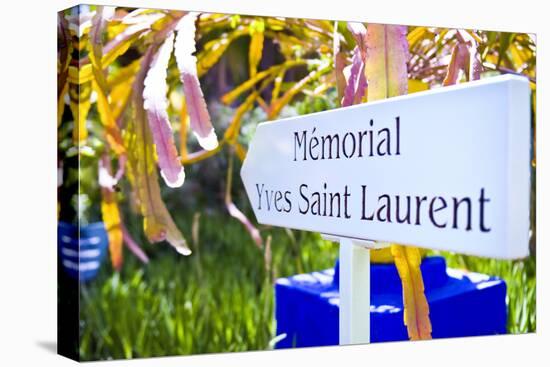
354,288
354,293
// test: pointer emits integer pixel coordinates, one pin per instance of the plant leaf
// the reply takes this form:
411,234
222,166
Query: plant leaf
110,213
213,50
356,83
256,46
155,104
277,106
133,246
184,121
122,75
230,96
240,151
416,85
459,59
80,75
99,84
386,61
339,62
386,68
122,42
235,212
79,103
64,49
157,223
277,84
201,154
187,63
233,130
119,97
416,35
475,67
120,84
112,132
416,309
359,32
465,57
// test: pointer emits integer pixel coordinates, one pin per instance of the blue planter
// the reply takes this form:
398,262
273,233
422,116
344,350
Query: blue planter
81,256
461,304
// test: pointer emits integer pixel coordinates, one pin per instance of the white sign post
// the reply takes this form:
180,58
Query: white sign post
445,169
354,282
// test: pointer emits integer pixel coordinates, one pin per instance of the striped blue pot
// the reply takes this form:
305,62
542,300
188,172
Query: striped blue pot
82,257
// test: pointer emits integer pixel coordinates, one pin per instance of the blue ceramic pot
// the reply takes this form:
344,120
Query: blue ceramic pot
82,255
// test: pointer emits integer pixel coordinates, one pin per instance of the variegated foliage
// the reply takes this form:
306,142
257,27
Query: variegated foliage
150,105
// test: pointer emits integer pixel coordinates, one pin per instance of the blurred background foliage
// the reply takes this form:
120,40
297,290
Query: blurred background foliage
251,69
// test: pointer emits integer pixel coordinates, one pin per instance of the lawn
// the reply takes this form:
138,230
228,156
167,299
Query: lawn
220,299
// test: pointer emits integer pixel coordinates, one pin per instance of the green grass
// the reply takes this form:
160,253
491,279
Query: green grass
220,299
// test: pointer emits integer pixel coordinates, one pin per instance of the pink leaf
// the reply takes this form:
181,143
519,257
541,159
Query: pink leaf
187,63
386,62
459,60
155,103
157,222
339,63
105,179
475,67
237,214
359,32
122,159
133,246
355,88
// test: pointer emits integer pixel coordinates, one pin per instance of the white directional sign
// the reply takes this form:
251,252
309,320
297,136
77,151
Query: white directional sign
444,169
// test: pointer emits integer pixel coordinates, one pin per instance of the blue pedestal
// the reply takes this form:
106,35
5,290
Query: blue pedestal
461,304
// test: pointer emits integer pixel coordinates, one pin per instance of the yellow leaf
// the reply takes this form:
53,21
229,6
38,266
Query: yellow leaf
384,255
240,151
234,126
278,82
381,256
386,62
120,45
232,95
111,218
79,102
61,103
277,106
213,50
416,309
95,51
123,75
256,46
202,154
80,75
415,35
272,72
119,97
417,86
387,69
518,55
112,132
120,84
